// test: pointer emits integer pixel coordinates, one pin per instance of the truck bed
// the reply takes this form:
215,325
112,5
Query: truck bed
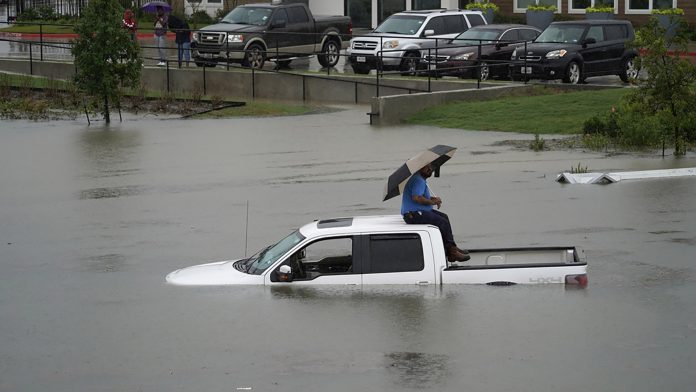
520,265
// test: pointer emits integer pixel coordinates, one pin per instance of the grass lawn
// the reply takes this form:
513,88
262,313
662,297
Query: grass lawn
547,111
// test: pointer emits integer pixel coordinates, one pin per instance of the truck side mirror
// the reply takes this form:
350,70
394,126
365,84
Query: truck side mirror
278,24
428,33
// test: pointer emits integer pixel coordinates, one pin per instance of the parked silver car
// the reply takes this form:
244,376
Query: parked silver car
395,44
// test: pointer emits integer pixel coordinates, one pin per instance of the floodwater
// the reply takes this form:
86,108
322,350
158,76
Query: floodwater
92,218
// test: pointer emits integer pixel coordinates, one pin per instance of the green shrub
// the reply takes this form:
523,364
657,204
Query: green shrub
637,128
47,13
538,143
201,16
596,142
28,15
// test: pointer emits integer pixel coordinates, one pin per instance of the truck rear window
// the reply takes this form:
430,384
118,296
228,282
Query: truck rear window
395,253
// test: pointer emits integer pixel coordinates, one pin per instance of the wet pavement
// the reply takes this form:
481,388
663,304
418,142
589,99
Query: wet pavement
93,218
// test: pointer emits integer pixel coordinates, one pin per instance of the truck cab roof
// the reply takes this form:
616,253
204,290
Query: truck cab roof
358,224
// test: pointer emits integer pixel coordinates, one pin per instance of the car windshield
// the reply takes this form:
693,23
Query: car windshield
248,15
401,24
474,37
561,34
260,262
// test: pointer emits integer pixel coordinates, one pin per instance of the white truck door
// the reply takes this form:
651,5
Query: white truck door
324,261
398,258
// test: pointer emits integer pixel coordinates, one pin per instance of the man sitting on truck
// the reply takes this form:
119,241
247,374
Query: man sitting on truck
417,208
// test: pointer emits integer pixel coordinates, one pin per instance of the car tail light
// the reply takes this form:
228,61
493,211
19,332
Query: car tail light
580,279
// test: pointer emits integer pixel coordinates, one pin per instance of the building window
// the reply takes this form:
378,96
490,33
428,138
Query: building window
425,4
646,6
521,5
360,12
578,6
386,8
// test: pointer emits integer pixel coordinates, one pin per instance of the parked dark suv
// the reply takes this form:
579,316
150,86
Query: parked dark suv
576,50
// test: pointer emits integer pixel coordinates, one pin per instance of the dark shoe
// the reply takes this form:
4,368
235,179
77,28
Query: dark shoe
454,254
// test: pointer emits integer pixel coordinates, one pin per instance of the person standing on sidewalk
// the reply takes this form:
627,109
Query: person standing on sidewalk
183,38
130,24
161,26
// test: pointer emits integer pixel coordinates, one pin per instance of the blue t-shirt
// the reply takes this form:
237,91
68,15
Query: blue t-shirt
416,185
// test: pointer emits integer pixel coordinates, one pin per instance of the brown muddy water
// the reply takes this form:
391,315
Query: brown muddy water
93,218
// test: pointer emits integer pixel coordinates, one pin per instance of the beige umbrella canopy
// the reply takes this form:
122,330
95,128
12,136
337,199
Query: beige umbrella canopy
436,156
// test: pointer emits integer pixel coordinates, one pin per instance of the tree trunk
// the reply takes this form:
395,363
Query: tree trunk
107,118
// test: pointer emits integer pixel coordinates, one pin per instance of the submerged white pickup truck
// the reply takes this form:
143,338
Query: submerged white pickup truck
371,250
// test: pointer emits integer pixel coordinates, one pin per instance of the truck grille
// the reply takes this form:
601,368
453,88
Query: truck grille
435,59
530,58
364,45
207,38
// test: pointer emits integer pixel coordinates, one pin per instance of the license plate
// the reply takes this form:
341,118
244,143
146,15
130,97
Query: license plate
206,55
361,59
526,70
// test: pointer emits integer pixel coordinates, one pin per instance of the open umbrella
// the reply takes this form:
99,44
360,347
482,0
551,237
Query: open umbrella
436,156
151,6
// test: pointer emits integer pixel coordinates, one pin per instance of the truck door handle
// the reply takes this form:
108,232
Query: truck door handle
423,282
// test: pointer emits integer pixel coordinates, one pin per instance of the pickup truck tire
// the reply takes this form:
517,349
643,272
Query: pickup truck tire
330,53
254,57
361,69
409,65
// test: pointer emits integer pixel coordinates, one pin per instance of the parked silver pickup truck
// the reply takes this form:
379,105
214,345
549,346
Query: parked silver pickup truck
373,250
253,33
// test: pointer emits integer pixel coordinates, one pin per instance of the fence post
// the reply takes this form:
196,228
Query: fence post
205,92
31,60
41,40
478,80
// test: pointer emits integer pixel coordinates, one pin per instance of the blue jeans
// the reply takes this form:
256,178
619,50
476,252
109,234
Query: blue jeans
161,41
436,218
184,52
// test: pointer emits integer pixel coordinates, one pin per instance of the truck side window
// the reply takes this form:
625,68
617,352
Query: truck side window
297,15
396,253
331,256
280,16
436,24
454,24
476,20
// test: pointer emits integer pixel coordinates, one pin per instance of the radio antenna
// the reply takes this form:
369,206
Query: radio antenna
246,229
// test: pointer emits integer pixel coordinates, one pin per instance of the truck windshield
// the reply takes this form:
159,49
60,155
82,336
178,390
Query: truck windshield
401,24
259,262
248,15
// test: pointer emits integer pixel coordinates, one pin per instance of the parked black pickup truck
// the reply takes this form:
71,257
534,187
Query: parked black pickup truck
253,33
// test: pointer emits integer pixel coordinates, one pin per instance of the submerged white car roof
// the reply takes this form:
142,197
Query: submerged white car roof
357,224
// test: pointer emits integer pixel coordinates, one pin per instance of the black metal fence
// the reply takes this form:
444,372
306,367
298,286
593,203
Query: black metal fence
39,47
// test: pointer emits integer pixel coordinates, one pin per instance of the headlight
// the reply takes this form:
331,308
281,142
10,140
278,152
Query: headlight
196,36
463,56
390,44
514,54
556,54
235,38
